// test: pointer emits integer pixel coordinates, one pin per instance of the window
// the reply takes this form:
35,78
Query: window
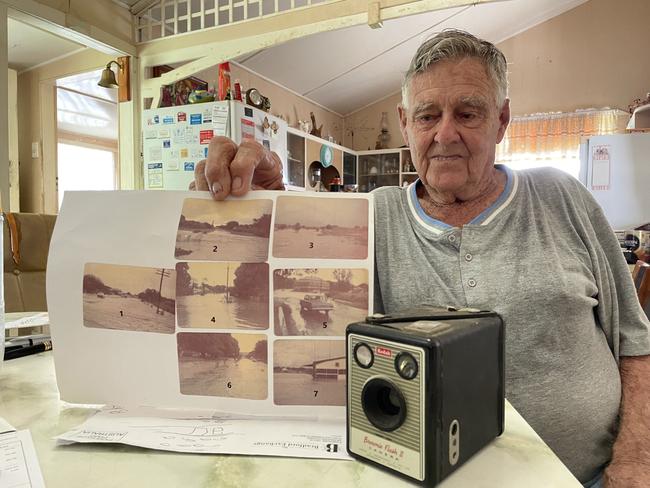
84,168
87,134
553,139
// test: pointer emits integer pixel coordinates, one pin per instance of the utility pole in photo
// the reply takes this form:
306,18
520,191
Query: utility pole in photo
163,273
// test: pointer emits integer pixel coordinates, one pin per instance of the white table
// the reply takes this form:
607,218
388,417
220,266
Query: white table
29,399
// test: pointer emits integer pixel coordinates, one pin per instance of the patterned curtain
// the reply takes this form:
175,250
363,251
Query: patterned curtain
557,132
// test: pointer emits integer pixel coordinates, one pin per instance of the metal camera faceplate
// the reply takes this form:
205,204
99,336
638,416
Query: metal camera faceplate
400,443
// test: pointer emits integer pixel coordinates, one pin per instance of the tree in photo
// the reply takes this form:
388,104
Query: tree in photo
93,284
259,352
248,281
184,283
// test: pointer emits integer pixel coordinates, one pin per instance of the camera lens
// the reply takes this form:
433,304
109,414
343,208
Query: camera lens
384,404
363,355
406,366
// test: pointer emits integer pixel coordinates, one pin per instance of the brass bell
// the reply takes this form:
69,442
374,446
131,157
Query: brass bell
108,77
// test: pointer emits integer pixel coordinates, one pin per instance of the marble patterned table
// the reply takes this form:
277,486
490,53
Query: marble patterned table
29,399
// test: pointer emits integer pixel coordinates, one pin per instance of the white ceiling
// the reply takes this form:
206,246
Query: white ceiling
29,47
343,70
348,69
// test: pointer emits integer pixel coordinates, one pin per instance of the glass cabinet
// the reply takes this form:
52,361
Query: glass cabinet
378,168
295,160
349,168
408,174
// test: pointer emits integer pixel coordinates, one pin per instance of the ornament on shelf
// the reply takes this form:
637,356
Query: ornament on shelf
314,131
384,136
638,102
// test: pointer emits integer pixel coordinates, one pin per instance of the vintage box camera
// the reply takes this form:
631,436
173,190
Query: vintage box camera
425,390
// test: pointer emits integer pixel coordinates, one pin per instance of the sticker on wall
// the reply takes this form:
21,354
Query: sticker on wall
167,144
196,153
181,117
188,166
173,166
247,129
184,153
153,120
168,119
173,154
155,175
163,133
151,134
205,136
195,119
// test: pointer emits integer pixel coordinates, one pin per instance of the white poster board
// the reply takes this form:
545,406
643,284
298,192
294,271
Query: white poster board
169,299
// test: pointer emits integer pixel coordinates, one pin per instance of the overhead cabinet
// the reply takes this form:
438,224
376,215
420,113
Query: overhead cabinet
313,163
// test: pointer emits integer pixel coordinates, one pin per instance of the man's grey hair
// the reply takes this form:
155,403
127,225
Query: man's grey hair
452,44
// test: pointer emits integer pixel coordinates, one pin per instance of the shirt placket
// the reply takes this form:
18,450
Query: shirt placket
469,272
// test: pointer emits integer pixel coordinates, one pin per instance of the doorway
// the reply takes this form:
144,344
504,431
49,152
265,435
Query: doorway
87,135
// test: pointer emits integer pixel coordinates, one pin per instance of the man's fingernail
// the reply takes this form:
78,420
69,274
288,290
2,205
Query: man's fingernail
236,183
216,187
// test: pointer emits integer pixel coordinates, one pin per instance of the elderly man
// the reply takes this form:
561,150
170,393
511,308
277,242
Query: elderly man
532,245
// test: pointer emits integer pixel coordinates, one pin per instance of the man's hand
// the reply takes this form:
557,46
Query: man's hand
630,466
234,170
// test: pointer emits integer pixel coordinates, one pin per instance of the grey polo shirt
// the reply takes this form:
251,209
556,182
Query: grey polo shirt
545,258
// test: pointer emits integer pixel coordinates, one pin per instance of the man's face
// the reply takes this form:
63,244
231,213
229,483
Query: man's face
452,126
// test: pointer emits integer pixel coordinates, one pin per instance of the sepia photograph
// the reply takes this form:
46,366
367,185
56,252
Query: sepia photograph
129,298
318,302
222,295
234,230
332,228
309,372
223,365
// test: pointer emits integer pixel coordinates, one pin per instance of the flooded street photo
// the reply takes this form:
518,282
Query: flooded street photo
113,312
318,302
199,311
223,365
298,321
224,231
129,298
220,246
317,243
222,295
308,228
309,372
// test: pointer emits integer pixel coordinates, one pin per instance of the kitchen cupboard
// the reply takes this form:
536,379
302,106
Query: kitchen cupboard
313,163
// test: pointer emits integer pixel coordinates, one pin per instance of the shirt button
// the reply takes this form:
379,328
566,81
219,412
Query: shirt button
452,238
471,282
468,257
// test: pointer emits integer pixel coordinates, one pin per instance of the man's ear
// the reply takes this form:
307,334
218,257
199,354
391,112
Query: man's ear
402,114
504,120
